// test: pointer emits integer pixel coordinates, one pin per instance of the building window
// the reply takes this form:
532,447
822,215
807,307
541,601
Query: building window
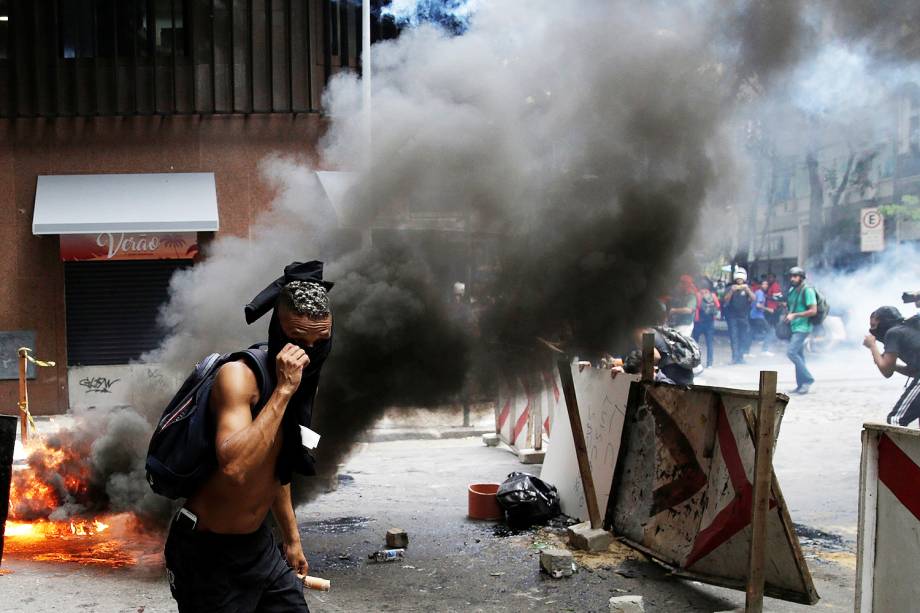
169,27
110,28
115,57
78,32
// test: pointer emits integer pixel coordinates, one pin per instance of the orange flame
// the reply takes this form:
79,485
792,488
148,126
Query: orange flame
56,476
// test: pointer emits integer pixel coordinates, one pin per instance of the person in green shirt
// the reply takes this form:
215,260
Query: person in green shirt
802,305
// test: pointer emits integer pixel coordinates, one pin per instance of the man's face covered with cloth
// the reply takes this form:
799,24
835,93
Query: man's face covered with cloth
301,315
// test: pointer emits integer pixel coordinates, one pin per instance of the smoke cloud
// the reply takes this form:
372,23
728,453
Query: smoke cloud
853,295
586,141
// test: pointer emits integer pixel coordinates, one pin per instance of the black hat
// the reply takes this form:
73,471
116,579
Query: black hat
887,317
265,301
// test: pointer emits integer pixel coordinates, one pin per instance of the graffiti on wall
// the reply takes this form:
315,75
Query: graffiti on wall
98,385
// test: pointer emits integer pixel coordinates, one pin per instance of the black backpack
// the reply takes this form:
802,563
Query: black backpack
182,448
682,349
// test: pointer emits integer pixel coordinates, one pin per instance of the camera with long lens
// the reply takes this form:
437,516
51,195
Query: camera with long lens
911,297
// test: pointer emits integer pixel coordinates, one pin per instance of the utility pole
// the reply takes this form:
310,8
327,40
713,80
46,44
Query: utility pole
366,67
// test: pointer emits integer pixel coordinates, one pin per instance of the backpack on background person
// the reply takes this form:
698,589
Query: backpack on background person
682,350
824,307
708,306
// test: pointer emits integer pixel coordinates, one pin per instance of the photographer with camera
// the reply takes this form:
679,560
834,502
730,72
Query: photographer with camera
902,342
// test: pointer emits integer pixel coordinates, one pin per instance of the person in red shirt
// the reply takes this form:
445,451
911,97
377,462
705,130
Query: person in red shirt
774,291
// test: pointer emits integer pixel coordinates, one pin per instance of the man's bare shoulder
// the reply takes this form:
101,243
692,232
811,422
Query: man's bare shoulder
234,384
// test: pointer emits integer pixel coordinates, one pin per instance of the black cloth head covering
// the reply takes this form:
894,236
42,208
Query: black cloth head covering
295,271
887,317
293,457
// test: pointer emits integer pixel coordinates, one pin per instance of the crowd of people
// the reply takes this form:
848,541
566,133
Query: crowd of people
757,311
752,309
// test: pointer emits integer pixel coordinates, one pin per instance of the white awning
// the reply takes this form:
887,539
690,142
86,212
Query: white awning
154,202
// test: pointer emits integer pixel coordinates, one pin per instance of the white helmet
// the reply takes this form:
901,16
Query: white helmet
740,273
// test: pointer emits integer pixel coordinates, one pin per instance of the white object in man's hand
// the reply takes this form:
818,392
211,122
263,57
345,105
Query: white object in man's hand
308,438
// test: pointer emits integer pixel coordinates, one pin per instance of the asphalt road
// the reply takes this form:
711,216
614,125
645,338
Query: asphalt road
452,564
818,451
455,564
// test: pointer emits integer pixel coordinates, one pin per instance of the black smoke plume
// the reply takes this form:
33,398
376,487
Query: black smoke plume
588,137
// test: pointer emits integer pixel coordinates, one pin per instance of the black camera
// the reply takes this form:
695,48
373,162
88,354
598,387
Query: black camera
911,297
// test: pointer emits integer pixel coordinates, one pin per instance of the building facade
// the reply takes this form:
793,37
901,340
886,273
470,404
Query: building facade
814,181
111,110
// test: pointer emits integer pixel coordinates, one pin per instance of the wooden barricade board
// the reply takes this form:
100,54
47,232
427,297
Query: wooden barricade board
683,489
602,406
889,520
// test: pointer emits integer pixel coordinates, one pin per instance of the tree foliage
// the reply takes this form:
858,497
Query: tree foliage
908,209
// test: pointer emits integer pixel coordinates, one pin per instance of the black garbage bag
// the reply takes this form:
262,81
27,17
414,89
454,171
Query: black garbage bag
527,500
783,329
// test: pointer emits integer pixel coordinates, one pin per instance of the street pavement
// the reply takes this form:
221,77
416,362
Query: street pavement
818,450
455,564
452,563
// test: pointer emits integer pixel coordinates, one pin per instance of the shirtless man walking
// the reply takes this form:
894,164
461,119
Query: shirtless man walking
220,554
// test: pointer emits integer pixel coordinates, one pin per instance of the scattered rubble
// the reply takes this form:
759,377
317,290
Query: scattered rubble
491,439
583,536
626,604
615,557
557,563
397,538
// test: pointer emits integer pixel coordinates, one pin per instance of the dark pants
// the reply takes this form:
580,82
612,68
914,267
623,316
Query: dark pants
707,329
740,330
907,408
760,331
796,354
232,573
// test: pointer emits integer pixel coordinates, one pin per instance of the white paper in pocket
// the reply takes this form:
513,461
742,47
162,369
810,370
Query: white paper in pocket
308,438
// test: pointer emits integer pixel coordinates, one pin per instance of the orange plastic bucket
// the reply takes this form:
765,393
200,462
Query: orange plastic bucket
483,503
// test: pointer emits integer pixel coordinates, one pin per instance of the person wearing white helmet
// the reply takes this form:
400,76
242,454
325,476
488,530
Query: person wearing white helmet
802,306
737,308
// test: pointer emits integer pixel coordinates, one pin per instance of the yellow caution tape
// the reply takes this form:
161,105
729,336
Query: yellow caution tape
36,361
24,408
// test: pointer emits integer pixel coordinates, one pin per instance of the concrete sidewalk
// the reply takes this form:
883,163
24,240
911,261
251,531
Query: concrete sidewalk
395,425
